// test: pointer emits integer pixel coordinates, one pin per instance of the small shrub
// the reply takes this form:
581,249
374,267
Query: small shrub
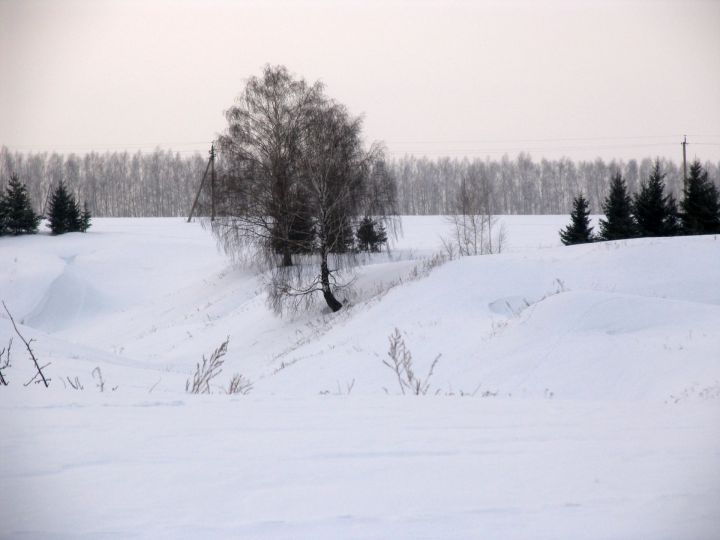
401,363
207,370
239,385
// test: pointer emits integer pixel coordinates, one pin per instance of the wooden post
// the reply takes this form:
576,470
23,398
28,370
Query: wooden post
197,195
212,183
684,145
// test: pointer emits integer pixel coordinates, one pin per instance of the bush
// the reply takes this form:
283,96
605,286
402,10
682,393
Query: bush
401,363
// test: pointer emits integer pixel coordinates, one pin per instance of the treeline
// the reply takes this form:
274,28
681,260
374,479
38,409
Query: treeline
160,183
522,185
163,182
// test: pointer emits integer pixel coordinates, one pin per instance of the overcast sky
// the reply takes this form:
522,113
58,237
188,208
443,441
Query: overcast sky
575,78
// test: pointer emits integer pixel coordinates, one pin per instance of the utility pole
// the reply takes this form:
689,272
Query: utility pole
684,145
212,183
211,162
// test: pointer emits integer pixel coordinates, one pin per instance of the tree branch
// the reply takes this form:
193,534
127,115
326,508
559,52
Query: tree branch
27,343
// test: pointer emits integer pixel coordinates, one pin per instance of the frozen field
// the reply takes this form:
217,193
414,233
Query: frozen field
577,395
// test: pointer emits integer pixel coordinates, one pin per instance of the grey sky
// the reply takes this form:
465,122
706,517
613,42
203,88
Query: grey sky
581,79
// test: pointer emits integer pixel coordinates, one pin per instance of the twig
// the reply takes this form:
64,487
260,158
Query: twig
76,385
101,382
239,385
6,363
39,369
154,385
38,374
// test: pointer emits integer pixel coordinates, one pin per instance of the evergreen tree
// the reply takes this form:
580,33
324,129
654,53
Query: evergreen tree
673,223
618,222
85,218
17,216
3,217
579,231
655,213
370,235
701,204
380,237
64,212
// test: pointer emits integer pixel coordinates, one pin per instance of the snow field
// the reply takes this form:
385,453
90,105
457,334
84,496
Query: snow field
594,374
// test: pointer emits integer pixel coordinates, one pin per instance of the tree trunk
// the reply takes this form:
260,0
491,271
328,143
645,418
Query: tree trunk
287,256
332,302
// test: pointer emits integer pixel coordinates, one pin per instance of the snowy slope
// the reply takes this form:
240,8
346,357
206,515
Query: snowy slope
593,373
623,319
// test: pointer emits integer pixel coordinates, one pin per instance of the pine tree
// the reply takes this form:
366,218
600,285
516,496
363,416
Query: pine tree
64,213
700,204
18,216
654,212
618,222
85,218
579,231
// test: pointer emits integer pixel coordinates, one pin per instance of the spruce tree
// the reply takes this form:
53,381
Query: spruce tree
579,231
673,223
370,235
3,217
85,218
655,213
64,213
700,205
618,222
18,216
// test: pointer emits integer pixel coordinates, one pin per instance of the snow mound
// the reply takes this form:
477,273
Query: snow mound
68,301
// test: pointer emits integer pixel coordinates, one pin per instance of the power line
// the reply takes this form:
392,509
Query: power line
113,145
548,139
472,151
451,148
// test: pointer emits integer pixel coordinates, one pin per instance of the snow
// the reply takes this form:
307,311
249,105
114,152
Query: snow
576,395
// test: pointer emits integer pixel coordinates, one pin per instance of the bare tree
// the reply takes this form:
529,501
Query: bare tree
338,189
296,180
474,227
259,153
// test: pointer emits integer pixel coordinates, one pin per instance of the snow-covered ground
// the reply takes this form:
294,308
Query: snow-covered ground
577,394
